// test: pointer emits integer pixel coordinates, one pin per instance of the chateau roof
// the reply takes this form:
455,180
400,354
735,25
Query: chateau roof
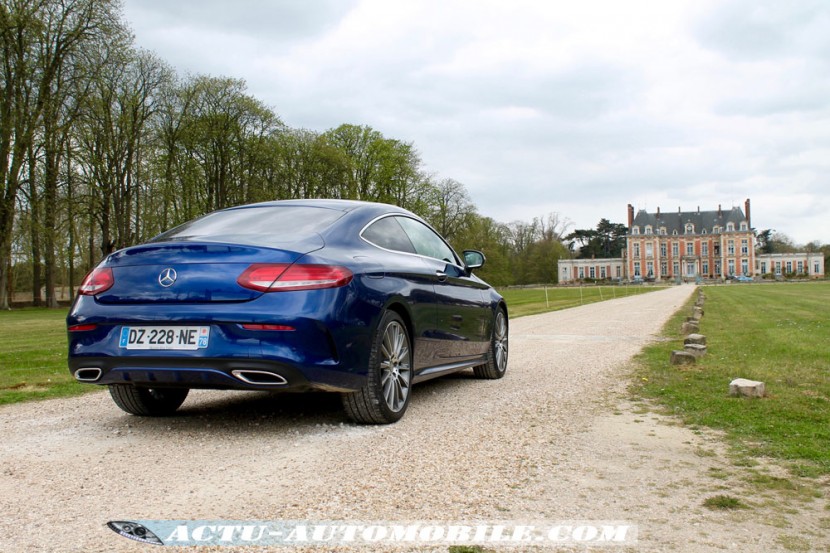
700,219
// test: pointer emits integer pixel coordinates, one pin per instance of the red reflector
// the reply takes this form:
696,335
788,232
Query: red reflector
283,328
97,281
278,277
82,328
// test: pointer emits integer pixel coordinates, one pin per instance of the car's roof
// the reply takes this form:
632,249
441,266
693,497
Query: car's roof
336,204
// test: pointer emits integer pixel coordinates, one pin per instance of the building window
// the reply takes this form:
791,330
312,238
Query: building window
663,249
703,231
705,268
619,271
602,273
649,249
674,232
581,272
717,268
789,266
800,267
731,265
816,270
745,267
763,267
637,250
744,226
730,227
716,229
777,267
675,269
663,231
664,268
649,269
635,230
704,249
690,228
744,247
690,248
675,249
592,272
648,229
690,269
637,268
730,247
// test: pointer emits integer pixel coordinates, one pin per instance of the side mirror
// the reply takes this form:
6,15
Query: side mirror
473,259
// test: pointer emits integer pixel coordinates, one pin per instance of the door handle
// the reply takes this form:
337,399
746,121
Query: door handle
442,276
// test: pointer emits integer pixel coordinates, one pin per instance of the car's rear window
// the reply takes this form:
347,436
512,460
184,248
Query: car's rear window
258,226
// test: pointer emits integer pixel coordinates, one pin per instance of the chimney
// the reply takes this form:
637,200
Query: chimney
698,210
746,212
630,216
720,212
658,211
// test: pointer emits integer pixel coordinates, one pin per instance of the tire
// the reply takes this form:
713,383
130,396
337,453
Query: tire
385,397
496,364
148,402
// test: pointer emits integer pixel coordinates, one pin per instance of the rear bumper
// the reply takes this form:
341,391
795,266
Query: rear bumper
221,374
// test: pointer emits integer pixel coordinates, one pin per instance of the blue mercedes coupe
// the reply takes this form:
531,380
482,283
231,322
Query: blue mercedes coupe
359,298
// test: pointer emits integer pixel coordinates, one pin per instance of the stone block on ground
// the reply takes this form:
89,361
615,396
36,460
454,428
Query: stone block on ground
747,388
681,357
695,339
698,350
690,327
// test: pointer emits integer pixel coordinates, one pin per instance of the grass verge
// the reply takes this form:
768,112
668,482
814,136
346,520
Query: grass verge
532,301
33,356
775,333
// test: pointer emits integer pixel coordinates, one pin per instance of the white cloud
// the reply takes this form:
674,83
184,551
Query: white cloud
574,107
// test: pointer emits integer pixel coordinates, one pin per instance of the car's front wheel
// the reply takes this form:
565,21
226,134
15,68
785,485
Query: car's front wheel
385,396
148,402
496,364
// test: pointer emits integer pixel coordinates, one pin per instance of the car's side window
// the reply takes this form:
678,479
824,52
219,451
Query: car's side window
387,233
426,242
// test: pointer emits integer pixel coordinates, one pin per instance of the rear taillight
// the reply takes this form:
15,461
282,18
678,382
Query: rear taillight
99,280
281,277
268,327
82,328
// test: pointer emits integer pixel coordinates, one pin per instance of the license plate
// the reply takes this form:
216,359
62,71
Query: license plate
164,337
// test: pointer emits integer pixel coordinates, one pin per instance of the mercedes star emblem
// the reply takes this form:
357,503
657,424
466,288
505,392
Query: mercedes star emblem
167,277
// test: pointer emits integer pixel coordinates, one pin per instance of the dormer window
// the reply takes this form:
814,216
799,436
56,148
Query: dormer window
703,231
730,227
635,230
690,228
674,232
744,226
663,231
648,229
716,229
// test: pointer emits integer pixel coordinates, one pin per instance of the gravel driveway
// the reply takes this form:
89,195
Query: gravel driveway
556,439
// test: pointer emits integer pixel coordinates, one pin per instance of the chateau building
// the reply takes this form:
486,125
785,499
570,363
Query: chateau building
686,245
690,244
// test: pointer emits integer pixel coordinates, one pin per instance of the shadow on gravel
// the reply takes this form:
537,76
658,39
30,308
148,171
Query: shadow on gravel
243,413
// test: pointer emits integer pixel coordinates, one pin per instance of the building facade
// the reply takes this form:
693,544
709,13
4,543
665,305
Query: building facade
571,270
690,244
810,265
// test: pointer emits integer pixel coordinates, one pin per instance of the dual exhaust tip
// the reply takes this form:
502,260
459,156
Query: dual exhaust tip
249,376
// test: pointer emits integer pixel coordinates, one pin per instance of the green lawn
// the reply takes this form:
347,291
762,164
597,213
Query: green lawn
530,301
33,356
775,333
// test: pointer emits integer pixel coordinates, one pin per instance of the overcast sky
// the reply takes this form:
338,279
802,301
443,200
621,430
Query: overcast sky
576,107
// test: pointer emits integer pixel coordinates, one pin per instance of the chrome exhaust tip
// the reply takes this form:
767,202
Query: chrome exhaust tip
88,374
259,378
